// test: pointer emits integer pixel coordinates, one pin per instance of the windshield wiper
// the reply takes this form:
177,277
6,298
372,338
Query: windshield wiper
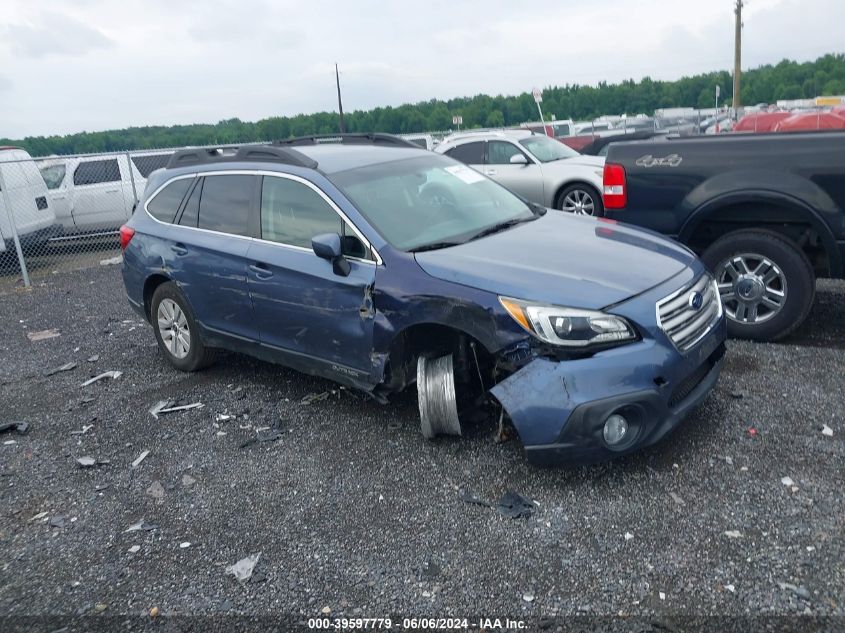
434,246
496,228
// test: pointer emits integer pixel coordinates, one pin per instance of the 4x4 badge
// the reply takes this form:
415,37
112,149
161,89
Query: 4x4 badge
672,160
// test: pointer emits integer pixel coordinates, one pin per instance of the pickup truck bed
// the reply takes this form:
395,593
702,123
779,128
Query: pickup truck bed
766,212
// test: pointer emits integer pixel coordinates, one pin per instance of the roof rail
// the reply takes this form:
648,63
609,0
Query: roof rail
235,153
375,138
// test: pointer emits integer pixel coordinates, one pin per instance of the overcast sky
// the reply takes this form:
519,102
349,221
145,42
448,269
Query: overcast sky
68,66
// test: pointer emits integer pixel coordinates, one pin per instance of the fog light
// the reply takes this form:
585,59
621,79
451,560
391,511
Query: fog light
615,429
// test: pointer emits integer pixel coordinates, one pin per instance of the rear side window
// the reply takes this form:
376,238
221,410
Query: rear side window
469,153
225,202
167,201
93,172
53,175
293,213
148,163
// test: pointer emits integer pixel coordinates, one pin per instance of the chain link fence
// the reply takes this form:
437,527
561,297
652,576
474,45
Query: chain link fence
65,211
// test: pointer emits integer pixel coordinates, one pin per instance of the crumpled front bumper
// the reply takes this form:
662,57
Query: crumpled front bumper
559,407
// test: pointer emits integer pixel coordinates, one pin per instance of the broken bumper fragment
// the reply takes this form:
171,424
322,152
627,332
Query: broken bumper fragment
562,409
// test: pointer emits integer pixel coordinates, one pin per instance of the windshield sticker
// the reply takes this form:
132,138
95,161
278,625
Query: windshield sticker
672,160
467,174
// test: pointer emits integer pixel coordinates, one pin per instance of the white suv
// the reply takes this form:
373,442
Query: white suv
98,192
534,166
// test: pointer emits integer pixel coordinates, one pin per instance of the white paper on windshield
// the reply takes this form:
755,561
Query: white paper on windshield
467,174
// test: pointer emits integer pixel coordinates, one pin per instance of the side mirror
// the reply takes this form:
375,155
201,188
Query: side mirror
518,159
328,246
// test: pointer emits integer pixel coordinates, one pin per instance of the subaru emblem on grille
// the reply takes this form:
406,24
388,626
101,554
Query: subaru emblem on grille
696,300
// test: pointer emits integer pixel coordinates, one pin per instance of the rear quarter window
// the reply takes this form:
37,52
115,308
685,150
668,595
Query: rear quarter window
166,202
225,204
148,163
93,172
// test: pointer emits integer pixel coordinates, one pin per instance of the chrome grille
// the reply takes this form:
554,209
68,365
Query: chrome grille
684,324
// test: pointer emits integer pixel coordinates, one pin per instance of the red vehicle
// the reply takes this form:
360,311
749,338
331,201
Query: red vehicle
811,121
760,121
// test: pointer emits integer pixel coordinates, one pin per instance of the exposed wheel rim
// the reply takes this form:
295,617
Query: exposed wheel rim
752,287
173,327
579,202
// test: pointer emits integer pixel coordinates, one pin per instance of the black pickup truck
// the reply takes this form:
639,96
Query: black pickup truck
766,213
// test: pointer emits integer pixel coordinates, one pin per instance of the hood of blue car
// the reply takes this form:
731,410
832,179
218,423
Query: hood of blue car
563,260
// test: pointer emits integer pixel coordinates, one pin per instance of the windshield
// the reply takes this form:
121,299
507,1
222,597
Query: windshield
426,201
546,149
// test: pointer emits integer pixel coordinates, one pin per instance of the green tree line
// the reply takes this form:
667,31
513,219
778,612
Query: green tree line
766,84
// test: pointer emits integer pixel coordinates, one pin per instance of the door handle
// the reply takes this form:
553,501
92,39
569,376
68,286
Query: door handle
490,172
112,190
261,271
179,249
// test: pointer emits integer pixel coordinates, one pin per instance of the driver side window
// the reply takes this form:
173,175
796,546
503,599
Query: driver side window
500,152
292,213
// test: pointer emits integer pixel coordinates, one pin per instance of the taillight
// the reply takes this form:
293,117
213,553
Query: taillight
615,191
126,233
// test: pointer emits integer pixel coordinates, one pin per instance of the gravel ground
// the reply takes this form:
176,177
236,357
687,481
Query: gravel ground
353,511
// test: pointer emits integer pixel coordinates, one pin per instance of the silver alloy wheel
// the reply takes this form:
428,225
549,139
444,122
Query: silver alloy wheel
173,327
579,202
752,287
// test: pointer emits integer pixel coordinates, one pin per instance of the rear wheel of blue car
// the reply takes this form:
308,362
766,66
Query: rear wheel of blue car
176,330
766,282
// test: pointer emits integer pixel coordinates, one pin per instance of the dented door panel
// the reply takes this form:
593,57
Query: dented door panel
303,309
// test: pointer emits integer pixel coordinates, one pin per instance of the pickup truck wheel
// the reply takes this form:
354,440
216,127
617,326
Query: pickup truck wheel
580,200
766,282
176,330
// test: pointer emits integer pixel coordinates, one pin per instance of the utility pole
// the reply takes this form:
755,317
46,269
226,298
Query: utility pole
339,102
737,55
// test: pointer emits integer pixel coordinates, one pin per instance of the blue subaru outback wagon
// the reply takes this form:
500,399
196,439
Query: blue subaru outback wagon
379,265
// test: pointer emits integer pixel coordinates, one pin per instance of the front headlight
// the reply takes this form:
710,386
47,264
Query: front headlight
569,327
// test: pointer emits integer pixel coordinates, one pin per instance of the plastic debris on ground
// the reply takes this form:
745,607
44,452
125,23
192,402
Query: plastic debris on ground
242,570
270,435
787,481
85,429
628,536
472,499
514,506
827,431
87,461
732,533
677,499
140,458
163,407
56,370
114,375
42,335
315,397
93,359
801,592
730,588
57,521
141,526
134,549
19,427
